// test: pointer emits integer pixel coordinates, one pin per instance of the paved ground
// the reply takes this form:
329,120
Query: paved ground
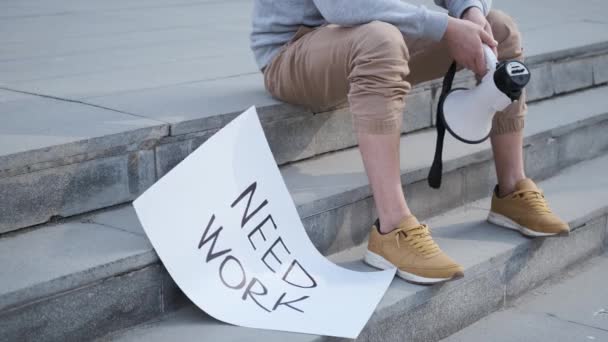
88,49
154,61
571,308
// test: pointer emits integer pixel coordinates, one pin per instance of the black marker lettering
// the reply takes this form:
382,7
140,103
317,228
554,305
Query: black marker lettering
291,267
250,293
221,271
246,216
214,236
288,303
271,251
259,229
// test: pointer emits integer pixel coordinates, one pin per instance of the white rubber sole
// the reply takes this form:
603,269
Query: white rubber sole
379,262
503,221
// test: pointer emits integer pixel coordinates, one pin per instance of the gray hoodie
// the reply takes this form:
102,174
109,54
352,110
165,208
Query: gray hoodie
276,21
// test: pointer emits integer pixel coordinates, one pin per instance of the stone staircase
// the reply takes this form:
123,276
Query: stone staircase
499,266
76,265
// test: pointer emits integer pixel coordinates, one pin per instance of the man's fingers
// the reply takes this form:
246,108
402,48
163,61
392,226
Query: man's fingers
487,39
488,29
480,64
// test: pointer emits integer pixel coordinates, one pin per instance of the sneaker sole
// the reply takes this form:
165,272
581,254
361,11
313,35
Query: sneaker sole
379,262
505,222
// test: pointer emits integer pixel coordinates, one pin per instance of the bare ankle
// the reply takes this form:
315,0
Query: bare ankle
508,186
505,190
390,222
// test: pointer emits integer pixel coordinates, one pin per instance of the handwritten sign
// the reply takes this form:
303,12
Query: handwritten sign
225,227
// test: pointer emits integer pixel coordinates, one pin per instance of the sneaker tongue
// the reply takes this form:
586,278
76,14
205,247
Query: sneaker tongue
409,222
526,184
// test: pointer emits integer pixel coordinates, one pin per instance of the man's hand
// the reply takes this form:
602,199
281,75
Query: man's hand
475,15
464,40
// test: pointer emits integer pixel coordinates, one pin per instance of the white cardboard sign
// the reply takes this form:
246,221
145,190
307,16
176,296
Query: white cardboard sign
226,228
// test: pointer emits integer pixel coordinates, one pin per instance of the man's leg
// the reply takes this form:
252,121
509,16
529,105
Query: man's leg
517,203
327,65
368,64
508,159
379,141
380,154
507,135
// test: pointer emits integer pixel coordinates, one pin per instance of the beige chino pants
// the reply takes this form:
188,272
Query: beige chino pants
372,67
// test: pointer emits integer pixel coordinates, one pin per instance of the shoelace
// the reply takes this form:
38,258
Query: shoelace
419,238
535,198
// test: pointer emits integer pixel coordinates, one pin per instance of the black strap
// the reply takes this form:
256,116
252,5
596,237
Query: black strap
434,177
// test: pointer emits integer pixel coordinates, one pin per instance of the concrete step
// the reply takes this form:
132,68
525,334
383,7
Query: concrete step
500,265
90,260
75,280
570,306
61,156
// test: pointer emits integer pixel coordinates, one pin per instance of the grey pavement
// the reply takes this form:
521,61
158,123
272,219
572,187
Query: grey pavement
64,256
87,49
573,307
29,122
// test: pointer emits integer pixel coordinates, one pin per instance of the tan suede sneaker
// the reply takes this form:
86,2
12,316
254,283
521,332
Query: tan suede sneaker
411,249
527,211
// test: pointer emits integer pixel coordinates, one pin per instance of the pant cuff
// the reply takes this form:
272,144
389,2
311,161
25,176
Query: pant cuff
507,125
378,126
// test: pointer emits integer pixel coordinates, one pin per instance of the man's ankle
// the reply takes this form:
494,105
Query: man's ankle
391,224
508,186
504,191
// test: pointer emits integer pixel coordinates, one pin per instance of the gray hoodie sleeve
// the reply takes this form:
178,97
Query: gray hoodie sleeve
456,7
415,21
